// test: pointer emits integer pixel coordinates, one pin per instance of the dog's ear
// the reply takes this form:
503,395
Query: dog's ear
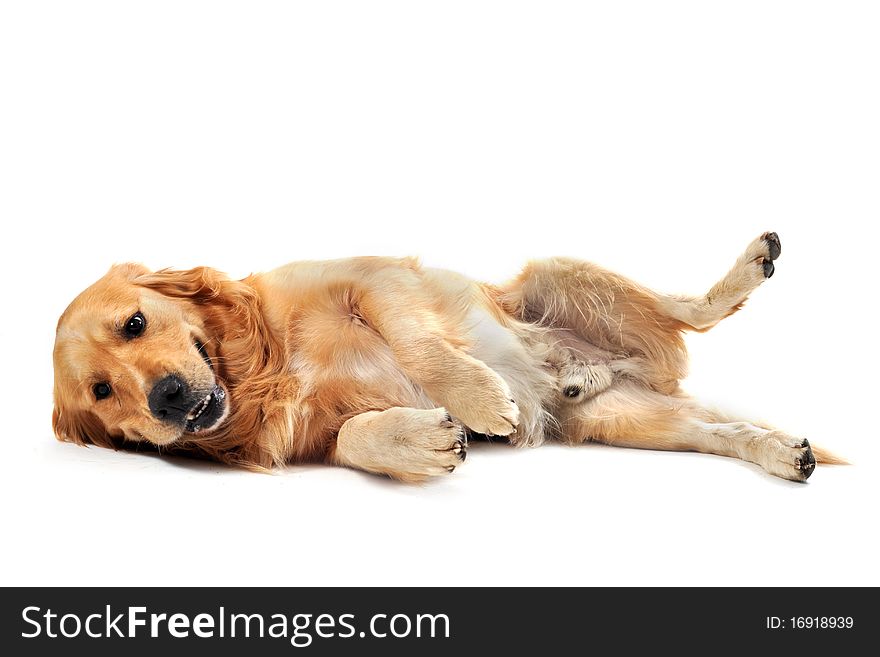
200,284
80,427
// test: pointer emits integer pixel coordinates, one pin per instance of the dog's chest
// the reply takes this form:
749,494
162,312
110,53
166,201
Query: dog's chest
340,361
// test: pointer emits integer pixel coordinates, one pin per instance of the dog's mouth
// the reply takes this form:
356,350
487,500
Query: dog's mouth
208,413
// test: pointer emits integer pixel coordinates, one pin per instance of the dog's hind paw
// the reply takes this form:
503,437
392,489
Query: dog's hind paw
579,381
787,457
763,251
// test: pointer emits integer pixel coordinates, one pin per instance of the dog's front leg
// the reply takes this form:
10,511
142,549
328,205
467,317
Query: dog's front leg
409,444
427,350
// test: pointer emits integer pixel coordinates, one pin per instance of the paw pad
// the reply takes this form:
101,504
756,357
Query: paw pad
773,244
807,462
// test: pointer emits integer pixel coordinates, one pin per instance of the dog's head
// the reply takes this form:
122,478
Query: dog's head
137,357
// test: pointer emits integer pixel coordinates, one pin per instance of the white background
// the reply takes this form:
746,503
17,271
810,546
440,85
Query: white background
655,138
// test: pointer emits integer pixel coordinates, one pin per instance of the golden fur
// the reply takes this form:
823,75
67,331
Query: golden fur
380,364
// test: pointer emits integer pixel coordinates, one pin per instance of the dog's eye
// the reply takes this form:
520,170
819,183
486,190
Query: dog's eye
135,325
102,390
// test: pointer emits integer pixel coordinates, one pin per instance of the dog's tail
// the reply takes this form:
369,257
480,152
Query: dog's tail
825,457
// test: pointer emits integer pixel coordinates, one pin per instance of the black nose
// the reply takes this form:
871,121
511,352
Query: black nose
168,400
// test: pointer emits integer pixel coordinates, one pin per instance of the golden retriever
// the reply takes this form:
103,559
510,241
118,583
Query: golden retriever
383,365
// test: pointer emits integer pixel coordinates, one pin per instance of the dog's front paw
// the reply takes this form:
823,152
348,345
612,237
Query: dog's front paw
410,444
487,407
500,419
787,457
424,443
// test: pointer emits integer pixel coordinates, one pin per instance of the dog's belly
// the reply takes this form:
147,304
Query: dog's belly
522,364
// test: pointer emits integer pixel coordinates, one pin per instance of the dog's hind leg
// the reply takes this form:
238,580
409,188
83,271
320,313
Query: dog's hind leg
642,328
751,269
600,308
629,415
